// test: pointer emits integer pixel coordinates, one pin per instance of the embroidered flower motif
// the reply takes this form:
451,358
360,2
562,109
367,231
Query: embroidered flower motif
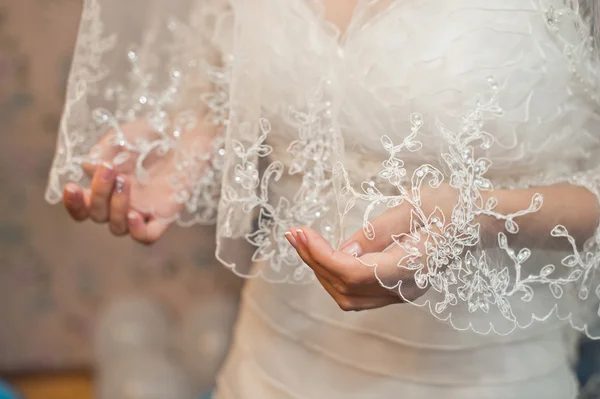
482,286
452,262
394,171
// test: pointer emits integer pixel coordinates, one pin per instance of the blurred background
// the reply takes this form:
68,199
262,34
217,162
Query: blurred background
82,312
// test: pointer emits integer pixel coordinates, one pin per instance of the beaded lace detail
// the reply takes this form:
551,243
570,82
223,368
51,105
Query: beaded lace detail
313,128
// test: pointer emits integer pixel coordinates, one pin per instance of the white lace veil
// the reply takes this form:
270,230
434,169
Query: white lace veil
174,93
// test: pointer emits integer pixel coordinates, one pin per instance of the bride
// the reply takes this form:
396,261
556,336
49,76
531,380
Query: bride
413,184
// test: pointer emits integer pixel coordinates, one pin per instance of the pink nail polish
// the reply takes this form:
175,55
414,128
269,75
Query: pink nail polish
119,184
291,239
352,248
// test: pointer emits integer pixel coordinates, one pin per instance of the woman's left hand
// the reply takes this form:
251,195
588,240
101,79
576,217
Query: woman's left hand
368,273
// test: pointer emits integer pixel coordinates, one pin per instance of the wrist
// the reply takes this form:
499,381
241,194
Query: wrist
574,207
490,225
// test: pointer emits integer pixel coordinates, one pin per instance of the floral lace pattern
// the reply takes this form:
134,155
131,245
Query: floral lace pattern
232,164
171,130
453,265
462,276
312,155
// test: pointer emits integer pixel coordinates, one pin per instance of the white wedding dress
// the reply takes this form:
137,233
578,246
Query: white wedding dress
293,342
400,67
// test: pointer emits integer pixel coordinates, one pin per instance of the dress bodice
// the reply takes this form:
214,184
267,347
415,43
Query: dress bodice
483,91
488,92
438,60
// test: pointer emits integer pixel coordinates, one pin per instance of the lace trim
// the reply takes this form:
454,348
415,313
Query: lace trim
311,155
443,267
452,264
176,135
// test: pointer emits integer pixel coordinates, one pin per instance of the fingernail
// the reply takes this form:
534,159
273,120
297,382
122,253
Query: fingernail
95,154
107,171
353,249
302,236
71,189
119,184
132,218
291,239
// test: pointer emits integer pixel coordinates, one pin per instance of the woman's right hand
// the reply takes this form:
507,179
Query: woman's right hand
116,197
109,201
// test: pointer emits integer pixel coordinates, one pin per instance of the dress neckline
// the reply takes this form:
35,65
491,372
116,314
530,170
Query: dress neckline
358,22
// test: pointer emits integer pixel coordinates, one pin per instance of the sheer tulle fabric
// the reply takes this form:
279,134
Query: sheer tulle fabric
262,116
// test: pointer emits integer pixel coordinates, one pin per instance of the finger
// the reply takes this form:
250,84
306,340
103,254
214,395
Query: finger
124,165
351,277
400,266
299,241
119,206
345,303
89,168
391,266
106,148
146,233
103,151
392,222
109,147
102,188
356,303
74,200
342,266
372,275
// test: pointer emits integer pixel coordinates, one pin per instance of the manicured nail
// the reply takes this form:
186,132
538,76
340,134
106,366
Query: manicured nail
95,154
107,171
353,249
302,236
291,239
132,217
119,184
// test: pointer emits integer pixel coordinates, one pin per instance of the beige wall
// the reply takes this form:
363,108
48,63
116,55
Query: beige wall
54,274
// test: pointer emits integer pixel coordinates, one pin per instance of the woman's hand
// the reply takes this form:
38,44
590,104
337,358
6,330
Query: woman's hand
117,198
373,273
352,284
109,200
